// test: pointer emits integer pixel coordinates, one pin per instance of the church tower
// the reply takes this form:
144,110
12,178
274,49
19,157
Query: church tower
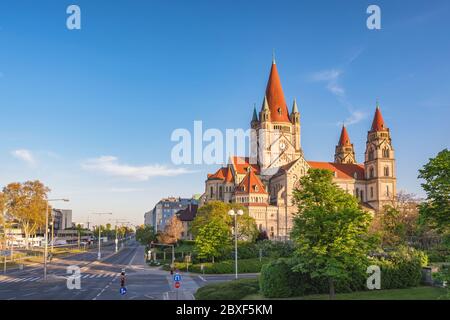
344,152
278,132
379,164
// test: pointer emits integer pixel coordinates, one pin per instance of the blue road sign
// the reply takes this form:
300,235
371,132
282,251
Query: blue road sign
123,290
177,277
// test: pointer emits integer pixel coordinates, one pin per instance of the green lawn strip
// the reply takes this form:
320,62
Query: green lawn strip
417,293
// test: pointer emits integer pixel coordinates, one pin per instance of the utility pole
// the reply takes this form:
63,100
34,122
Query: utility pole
99,254
46,234
116,222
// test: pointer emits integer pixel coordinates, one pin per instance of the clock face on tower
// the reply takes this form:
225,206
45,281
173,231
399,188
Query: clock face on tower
282,145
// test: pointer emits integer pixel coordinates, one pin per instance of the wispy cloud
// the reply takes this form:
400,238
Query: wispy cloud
355,117
110,165
24,155
331,78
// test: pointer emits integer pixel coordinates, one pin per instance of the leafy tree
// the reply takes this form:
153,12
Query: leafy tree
330,230
435,211
247,229
172,231
145,234
26,202
212,238
389,227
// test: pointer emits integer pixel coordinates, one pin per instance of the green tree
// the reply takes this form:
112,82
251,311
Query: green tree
212,238
435,211
145,234
330,230
247,229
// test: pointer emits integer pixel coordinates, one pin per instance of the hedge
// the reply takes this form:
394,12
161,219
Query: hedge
402,269
231,290
223,267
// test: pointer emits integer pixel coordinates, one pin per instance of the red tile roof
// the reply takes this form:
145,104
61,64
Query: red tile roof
275,97
220,174
251,184
344,140
229,177
342,170
241,165
378,122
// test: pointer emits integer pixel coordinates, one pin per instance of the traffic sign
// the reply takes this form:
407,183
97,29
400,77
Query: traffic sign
177,284
177,277
123,290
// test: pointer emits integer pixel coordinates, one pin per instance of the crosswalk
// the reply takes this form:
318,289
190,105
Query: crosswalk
6,279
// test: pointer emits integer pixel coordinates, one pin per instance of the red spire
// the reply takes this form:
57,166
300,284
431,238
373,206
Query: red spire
344,140
378,122
275,97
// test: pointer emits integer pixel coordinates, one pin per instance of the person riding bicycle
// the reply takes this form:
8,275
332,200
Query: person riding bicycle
122,279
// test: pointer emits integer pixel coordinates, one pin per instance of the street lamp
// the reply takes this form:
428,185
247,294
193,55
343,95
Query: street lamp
117,240
46,234
99,254
235,214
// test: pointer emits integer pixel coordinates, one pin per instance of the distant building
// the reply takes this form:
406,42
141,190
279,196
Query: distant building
165,209
186,217
62,219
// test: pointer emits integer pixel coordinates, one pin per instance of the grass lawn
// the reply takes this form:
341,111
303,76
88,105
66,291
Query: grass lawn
418,293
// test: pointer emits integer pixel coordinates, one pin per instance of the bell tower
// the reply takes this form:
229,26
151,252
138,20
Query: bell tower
379,164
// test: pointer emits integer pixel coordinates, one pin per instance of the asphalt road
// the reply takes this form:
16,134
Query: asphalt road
99,280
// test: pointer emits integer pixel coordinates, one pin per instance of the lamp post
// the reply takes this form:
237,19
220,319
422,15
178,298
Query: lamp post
116,222
235,214
99,254
46,234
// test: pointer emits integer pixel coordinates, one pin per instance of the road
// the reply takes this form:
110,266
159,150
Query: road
100,280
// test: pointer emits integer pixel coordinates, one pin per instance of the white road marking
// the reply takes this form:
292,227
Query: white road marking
203,279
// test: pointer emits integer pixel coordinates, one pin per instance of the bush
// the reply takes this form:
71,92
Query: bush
401,269
231,290
277,280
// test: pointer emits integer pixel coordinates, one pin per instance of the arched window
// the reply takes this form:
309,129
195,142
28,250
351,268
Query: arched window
371,192
371,172
357,192
386,171
371,154
386,152
387,191
362,195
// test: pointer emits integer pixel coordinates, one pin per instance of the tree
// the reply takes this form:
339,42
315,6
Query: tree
3,219
435,211
26,202
397,223
145,234
330,230
212,238
172,231
247,229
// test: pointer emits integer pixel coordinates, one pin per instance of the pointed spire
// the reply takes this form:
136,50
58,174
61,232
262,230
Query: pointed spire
255,115
378,122
344,140
265,105
294,106
275,97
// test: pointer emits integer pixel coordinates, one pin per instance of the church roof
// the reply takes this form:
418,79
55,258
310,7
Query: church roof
251,184
275,97
241,165
341,170
344,140
223,173
378,122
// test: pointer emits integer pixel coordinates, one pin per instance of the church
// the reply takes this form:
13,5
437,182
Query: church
265,182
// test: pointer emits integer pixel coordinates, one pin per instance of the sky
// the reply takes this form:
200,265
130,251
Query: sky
90,112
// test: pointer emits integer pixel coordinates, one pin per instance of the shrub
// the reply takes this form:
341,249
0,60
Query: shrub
231,290
223,267
277,280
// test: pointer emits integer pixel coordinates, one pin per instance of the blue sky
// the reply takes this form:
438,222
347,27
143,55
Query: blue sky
137,70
